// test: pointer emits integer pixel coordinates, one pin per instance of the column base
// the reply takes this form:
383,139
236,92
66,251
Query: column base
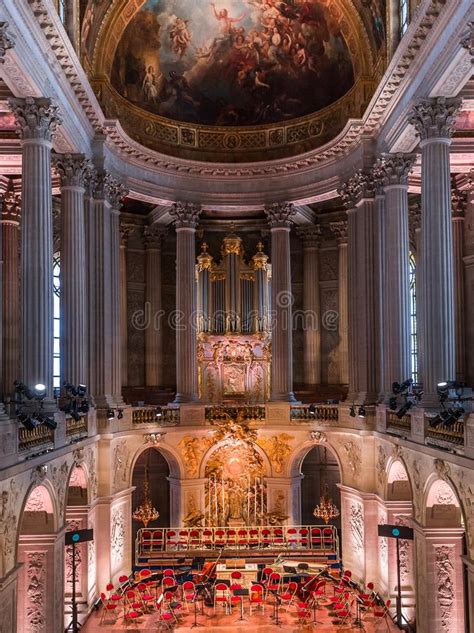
284,397
105,401
182,398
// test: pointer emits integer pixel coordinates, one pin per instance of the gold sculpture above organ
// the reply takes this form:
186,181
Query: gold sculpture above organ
234,324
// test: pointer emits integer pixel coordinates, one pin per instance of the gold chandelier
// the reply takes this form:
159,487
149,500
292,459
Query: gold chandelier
326,510
146,512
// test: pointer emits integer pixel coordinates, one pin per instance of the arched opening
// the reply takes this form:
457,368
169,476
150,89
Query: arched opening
77,518
440,544
319,469
151,465
39,550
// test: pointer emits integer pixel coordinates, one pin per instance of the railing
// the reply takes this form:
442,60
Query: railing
443,434
162,416
323,538
321,413
400,425
39,437
76,428
245,413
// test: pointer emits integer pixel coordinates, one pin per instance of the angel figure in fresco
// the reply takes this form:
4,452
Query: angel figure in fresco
226,22
180,37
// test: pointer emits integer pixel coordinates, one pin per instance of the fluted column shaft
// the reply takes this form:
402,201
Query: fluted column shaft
73,269
340,231
469,281
90,250
186,219
123,309
380,285
37,120
352,301
458,207
10,224
281,301
311,306
116,304
153,333
433,120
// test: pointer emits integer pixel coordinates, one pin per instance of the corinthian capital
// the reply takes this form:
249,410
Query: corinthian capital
458,202
185,214
280,214
310,234
106,187
434,118
394,169
153,235
35,118
359,187
6,41
340,230
72,169
11,208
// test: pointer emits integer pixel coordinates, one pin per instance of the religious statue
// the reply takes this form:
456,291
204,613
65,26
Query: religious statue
235,501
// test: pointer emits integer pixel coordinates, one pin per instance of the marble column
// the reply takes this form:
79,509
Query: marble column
10,240
459,200
125,230
153,334
396,283
37,120
310,236
279,216
340,231
186,217
364,344
104,291
72,171
469,280
90,248
433,120
415,239
380,274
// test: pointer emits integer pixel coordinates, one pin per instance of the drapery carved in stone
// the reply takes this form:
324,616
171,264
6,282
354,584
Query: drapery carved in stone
36,593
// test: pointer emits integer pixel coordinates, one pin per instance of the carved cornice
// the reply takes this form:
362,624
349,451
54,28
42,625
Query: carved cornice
185,215
340,231
153,235
280,214
72,169
6,41
36,118
468,40
394,169
310,234
434,118
360,186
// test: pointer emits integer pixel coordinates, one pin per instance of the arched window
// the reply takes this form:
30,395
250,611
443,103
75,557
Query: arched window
404,16
56,327
413,324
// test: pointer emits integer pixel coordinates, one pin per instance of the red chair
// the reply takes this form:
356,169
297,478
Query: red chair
288,596
113,595
123,579
242,538
303,539
219,538
277,537
231,540
194,539
171,540
254,540
291,537
168,573
157,540
344,610
328,539
108,608
207,539
234,599
256,597
304,613
145,596
316,538
274,583
383,613
189,592
183,539
146,541
266,572
132,608
222,596
266,537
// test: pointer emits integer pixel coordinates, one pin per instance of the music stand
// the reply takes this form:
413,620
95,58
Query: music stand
195,624
241,592
358,620
276,608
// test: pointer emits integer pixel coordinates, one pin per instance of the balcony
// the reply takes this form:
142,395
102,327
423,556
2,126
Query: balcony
445,436
148,415
320,413
76,429
248,413
40,439
399,426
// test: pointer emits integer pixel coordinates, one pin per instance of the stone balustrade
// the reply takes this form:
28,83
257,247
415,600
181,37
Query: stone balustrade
163,416
320,413
398,425
247,413
76,428
39,438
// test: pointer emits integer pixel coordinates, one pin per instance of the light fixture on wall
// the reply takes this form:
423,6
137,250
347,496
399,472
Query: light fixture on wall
326,510
145,511
361,412
110,414
352,411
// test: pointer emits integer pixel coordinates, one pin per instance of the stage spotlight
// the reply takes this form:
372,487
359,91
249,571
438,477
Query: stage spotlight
312,410
23,390
398,387
361,412
49,422
119,414
81,390
352,411
453,416
75,415
404,409
443,388
436,421
84,407
110,414
40,391
28,422
158,412
392,403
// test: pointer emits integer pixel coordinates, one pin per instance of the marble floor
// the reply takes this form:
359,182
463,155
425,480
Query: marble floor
229,623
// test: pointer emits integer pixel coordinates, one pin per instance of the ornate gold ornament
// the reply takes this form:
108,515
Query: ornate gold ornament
145,511
192,449
277,448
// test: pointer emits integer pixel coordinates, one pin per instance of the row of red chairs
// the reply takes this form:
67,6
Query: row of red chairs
292,537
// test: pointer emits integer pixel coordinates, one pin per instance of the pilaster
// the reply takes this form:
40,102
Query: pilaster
340,230
153,334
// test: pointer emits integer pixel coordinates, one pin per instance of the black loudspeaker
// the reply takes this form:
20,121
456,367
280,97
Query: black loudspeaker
396,531
79,536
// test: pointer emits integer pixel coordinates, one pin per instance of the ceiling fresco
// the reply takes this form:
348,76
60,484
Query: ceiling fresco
233,62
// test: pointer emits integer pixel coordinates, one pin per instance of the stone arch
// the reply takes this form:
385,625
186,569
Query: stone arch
296,459
172,458
398,485
215,447
78,478
442,506
40,497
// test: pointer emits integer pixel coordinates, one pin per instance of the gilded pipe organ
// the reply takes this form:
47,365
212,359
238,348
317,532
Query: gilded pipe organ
234,324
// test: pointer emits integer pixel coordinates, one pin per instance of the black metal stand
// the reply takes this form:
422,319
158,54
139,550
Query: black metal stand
315,607
73,625
276,609
358,620
196,623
